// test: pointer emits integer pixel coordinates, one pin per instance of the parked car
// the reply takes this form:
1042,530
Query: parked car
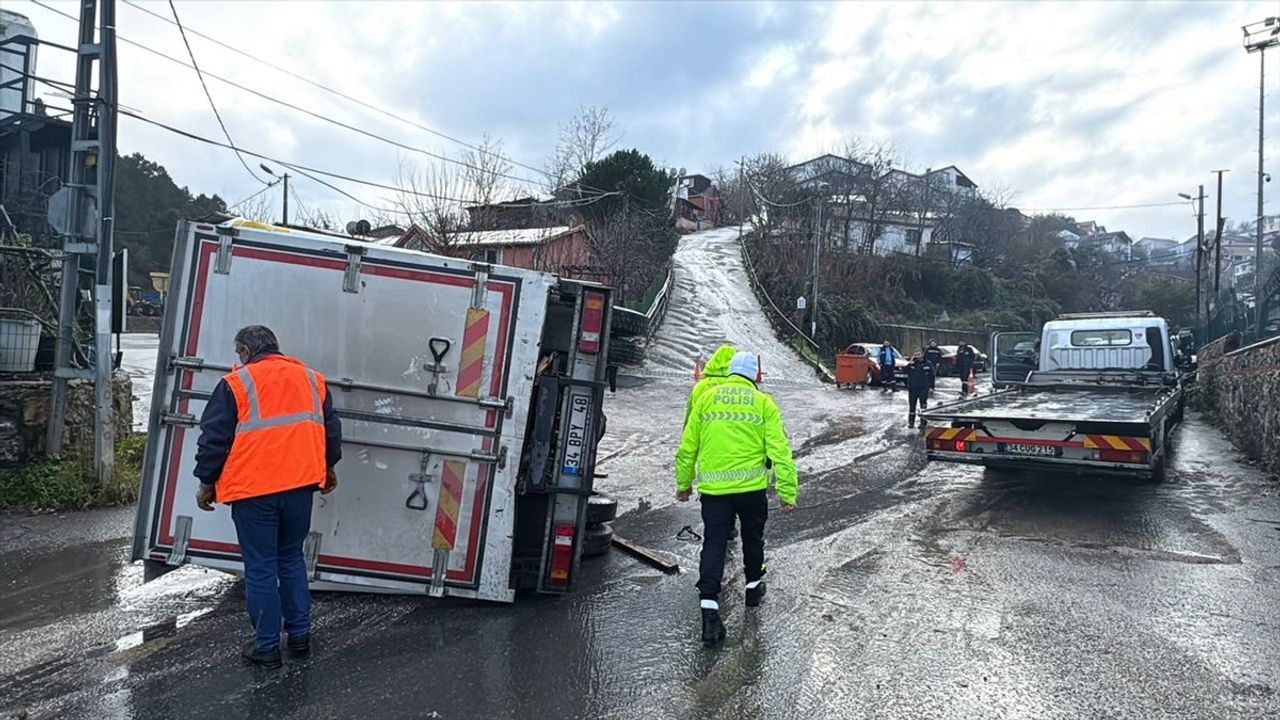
948,366
900,362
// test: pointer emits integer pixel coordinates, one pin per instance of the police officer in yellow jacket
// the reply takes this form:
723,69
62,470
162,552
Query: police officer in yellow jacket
713,375
732,430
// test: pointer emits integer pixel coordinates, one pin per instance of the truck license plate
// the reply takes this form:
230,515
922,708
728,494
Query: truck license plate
1026,449
579,411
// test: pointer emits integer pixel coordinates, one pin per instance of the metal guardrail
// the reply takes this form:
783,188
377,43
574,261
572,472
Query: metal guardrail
632,329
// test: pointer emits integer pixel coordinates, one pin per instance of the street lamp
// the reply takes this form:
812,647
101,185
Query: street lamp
1258,37
1198,203
282,178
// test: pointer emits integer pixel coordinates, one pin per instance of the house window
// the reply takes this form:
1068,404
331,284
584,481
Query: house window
487,255
913,238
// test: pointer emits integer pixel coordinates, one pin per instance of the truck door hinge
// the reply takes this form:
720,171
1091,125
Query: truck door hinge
184,419
481,291
222,259
311,552
351,277
181,536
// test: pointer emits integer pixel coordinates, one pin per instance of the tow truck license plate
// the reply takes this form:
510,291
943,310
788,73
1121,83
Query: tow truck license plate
1024,449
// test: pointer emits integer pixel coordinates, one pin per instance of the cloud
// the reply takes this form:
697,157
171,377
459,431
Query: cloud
1068,104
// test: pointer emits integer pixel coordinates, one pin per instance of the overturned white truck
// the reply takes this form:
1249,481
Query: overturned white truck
470,396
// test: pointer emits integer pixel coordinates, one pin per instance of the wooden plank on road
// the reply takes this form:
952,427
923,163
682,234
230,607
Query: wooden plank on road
651,557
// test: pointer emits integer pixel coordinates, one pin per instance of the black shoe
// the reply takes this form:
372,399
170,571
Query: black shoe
300,645
269,659
712,628
911,423
755,595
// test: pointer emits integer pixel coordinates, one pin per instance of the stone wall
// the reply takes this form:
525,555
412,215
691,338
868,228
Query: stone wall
24,415
1243,387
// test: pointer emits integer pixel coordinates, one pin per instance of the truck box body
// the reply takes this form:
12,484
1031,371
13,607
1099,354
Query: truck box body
1089,393
434,365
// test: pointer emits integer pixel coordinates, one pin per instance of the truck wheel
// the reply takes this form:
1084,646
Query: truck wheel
1158,473
597,540
601,509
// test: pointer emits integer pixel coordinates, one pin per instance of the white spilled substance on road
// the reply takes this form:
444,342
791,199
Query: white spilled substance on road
140,363
712,303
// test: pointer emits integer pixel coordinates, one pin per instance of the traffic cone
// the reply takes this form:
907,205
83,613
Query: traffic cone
973,385
759,371
697,368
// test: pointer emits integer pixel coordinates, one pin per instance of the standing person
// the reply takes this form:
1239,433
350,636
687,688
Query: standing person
886,357
919,381
269,438
933,356
730,434
964,364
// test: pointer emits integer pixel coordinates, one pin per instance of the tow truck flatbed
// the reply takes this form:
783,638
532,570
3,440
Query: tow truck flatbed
1057,403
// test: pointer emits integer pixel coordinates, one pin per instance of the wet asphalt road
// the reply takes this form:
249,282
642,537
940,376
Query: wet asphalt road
898,589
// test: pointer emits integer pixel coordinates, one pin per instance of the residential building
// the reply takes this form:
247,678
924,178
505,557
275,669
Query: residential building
1155,248
526,212
697,200
893,212
562,250
1090,234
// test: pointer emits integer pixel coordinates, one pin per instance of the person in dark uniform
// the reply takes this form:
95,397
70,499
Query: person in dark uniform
933,356
886,357
919,381
964,364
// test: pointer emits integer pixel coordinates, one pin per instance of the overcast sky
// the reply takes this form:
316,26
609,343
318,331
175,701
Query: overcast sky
1058,105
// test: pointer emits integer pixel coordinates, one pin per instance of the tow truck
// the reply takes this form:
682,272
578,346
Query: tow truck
470,396
1091,393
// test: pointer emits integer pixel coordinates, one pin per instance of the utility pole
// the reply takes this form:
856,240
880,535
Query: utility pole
83,210
817,252
1257,38
1199,200
742,188
285,221
1217,240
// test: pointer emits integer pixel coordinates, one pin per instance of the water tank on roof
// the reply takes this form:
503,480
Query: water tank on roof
19,54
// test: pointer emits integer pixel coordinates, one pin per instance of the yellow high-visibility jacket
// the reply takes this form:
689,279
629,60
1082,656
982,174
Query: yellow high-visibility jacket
731,430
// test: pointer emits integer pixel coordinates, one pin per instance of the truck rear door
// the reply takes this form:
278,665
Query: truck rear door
430,362
1014,356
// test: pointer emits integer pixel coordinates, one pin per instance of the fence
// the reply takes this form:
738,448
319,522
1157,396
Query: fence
631,330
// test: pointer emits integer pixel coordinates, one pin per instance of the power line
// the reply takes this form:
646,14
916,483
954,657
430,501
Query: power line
196,66
1103,207
338,93
256,194
305,111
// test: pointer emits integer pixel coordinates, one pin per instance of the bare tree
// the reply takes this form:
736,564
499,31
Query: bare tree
585,138
485,172
431,199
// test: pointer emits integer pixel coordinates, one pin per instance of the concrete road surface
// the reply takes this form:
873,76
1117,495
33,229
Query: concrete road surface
898,589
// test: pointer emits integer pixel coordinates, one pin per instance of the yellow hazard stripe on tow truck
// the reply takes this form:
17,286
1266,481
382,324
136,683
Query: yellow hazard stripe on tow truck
1116,442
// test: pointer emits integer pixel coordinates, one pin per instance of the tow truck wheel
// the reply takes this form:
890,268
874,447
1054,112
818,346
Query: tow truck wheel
1158,473
597,540
601,509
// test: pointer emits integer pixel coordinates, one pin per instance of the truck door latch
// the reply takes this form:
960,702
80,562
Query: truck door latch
439,347
417,499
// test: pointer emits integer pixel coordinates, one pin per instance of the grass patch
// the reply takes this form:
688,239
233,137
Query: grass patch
46,483
643,304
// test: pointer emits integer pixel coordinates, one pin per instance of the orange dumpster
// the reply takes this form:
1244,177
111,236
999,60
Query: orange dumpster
853,366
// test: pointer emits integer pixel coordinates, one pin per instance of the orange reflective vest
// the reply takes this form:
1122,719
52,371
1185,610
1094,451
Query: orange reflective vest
279,442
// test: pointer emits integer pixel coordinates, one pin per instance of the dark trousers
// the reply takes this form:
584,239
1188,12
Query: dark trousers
271,530
963,372
886,379
916,397
718,512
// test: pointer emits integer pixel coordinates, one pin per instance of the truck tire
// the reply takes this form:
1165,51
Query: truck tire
601,509
1158,472
597,540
